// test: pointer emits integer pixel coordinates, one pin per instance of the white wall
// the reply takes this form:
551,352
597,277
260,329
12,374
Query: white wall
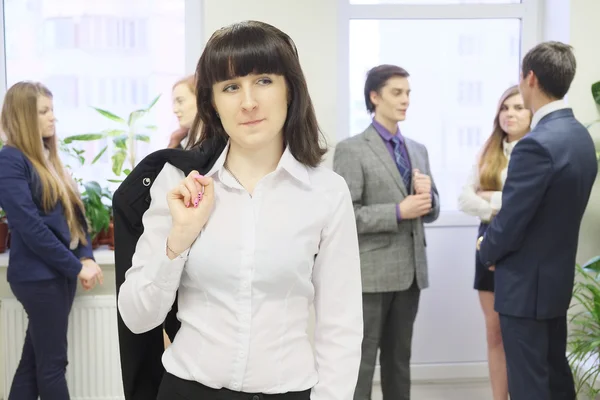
584,34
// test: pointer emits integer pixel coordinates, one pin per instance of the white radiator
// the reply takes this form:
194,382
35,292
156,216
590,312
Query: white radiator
94,370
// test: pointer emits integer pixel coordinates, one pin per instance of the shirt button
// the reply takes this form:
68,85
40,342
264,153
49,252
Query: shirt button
255,398
235,385
241,354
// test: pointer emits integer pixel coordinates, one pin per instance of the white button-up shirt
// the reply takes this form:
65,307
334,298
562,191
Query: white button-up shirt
247,284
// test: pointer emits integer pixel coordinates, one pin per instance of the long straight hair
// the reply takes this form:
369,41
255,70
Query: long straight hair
493,160
19,121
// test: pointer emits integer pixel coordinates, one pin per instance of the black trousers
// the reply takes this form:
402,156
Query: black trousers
41,371
536,358
174,388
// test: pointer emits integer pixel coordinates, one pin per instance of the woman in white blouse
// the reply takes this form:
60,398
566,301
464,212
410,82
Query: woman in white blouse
250,246
482,197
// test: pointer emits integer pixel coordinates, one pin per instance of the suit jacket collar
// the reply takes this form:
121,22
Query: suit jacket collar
554,115
375,142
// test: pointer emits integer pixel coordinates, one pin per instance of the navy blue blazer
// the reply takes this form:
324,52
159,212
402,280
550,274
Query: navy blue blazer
533,239
39,244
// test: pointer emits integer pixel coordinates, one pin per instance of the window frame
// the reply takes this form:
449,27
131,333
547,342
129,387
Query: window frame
528,12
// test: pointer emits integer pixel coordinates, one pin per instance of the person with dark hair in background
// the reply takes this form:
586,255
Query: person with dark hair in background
50,245
393,195
532,241
250,246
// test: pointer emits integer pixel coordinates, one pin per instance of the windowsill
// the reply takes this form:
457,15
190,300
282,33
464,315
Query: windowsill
102,254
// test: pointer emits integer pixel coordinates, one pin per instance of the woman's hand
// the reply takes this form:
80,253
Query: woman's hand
190,203
90,274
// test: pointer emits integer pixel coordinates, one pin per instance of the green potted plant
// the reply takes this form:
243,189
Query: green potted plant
584,335
124,137
3,232
97,212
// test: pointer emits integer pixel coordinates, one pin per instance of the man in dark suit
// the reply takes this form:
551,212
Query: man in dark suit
532,242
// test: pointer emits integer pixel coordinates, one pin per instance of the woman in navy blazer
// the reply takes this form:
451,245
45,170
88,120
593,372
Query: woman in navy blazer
50,247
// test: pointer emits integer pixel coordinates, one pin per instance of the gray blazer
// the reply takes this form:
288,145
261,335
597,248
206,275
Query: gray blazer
390,251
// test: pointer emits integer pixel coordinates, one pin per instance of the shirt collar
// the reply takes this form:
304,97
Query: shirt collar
508,147
547,109
287,162
385,133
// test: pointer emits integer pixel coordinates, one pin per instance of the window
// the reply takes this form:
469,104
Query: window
460,59
469,93
99,54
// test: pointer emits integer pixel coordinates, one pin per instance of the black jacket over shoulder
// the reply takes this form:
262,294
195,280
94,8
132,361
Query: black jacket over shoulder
141,366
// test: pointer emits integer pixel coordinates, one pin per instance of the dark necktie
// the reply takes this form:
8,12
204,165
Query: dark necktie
402,161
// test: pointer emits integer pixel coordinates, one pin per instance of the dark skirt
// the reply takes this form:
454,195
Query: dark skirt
484,278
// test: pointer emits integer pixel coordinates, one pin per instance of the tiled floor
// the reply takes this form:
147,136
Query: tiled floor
451,391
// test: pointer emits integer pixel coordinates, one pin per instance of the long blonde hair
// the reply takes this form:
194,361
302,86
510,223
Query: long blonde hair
19,121
493,160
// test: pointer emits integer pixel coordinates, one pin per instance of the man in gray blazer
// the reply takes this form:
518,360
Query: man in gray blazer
393,194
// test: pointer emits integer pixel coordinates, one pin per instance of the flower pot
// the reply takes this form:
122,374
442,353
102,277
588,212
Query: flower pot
3,236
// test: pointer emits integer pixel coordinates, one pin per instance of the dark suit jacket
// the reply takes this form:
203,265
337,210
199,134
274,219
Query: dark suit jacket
39,244
533,239
141,366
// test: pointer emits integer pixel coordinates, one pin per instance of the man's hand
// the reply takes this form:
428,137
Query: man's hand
492,268
415,206
422,182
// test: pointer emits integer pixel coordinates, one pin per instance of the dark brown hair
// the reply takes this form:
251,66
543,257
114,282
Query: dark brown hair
377,77
254,47
554,65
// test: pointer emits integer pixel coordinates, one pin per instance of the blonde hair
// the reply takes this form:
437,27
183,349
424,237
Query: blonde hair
189,81
19,121
493,160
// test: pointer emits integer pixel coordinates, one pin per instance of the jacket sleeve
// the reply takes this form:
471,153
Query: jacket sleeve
373,218
151,283
17,201
85,251
529,173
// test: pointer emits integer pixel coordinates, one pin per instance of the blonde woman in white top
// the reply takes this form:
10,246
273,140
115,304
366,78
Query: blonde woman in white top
482,197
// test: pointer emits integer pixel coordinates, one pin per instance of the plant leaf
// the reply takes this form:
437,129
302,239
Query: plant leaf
152,103
135,116
117,161
115,180
126,171
84,137
596,92
99,155
121,142
151,127
143,138
110,115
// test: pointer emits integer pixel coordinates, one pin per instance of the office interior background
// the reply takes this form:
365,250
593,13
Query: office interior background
120,55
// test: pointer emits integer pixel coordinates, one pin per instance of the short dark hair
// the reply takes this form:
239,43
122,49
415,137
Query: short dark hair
554,65
377,77
254,47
